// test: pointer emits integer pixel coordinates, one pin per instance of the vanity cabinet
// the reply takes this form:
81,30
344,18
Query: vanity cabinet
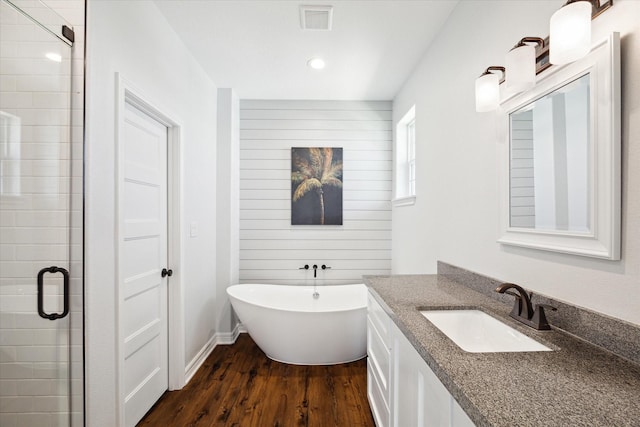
402,389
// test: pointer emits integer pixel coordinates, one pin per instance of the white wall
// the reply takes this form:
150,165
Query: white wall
134,39
456,216
228,217
271,249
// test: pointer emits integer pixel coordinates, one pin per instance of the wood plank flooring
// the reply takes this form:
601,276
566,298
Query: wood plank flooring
239,386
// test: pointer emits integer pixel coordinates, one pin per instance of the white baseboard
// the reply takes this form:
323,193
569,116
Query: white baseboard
197,361
224,338
230,337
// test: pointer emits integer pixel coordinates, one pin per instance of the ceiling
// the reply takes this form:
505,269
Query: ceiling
258,48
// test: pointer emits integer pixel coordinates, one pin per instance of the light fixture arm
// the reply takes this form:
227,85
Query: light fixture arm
493,68
539,41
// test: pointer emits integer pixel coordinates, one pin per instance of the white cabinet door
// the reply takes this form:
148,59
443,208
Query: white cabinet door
419,398
435,397
405,392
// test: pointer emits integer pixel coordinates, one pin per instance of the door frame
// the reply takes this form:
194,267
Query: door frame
128,93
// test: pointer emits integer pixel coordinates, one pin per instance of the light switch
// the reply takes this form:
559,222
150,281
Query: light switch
193,229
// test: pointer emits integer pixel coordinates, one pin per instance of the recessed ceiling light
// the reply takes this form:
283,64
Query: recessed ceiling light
316,63
54,57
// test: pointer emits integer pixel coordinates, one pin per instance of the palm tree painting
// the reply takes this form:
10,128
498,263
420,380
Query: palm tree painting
316,186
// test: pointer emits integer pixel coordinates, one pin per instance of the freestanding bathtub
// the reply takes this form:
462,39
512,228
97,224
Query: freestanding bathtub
292,326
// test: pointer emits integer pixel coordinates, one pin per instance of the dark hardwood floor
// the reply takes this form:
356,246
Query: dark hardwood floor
239,386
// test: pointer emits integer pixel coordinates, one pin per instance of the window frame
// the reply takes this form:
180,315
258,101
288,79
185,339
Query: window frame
405,160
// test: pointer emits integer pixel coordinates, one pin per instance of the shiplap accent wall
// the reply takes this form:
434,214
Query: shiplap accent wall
271,249
523,201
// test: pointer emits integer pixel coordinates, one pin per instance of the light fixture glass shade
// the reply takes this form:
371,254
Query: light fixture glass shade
570,33
487,92
520,65
316,63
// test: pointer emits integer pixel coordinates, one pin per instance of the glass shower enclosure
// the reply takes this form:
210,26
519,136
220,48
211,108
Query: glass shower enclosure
41,336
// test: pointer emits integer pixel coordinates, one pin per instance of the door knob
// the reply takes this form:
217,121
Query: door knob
166,272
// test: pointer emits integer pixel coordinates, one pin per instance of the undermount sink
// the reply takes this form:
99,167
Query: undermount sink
475,331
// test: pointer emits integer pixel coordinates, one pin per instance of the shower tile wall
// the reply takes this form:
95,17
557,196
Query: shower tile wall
35,360
271,249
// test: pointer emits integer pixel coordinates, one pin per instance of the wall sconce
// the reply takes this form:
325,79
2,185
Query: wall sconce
570,32
570,29
488,89
520,63
569,40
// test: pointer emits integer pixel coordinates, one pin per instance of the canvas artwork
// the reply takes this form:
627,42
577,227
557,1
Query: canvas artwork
316,186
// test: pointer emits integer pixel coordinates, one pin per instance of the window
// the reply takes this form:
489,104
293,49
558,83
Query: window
405,156
411,156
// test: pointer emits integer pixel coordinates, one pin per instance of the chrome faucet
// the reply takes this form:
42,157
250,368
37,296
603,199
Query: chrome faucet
523,311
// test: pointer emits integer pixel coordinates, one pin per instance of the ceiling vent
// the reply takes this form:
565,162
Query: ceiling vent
316,17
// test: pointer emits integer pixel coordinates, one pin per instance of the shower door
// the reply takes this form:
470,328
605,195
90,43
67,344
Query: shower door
41,369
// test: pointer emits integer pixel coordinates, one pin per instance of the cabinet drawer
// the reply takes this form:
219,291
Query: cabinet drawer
379,357
379,318
379,406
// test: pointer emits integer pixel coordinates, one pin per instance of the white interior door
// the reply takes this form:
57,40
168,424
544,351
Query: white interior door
143,256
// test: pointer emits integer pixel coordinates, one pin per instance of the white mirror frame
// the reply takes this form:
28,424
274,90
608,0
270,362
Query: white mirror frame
603,241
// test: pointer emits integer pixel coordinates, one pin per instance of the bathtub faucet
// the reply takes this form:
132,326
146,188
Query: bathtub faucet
315,269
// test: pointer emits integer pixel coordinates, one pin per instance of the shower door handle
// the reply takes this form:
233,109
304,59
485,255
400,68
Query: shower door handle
65,276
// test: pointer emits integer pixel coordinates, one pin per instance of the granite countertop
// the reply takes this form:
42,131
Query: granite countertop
577,384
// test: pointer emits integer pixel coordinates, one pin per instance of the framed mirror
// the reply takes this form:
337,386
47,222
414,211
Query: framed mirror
560,167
